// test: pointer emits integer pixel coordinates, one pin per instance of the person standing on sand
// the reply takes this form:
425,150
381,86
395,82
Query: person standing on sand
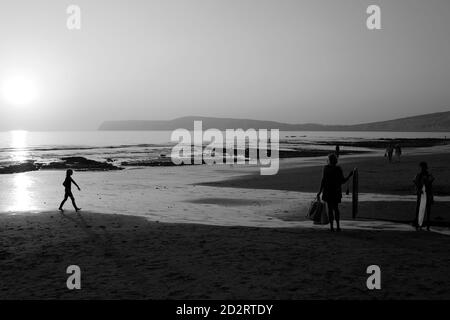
332,180
68,190
398,151
338,150
424,178
389,152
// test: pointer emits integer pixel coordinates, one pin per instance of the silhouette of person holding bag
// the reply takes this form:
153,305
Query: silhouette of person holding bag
332,180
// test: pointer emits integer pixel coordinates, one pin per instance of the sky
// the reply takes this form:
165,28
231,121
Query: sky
295,61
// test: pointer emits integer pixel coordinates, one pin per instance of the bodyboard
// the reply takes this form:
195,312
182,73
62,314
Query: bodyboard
422,207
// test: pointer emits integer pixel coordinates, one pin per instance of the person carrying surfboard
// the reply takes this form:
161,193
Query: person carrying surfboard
330,188
424,190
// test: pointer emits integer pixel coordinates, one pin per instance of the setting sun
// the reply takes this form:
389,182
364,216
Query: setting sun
19,90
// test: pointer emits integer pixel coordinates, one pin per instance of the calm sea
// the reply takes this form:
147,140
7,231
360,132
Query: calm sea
19,146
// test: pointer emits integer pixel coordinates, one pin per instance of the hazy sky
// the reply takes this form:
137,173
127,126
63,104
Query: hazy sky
286,60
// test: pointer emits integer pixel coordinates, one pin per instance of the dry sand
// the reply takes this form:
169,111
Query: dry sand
130,257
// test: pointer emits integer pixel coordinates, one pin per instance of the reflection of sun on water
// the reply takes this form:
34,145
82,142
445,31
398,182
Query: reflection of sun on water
19,145
21,187
21,193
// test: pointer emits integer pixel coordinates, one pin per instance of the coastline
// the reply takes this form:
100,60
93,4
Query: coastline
103,158
233,195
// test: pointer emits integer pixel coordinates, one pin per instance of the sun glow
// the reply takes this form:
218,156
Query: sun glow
19,90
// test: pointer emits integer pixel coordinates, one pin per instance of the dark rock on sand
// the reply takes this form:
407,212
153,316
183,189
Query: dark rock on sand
20,167
295,153
304,153
161,162
80,164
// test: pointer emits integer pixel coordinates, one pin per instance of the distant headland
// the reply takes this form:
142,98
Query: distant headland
433,122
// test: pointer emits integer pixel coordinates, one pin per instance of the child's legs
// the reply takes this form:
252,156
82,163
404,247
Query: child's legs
64,200
73,201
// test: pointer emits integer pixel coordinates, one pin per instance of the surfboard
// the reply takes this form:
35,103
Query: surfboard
355,187
422,207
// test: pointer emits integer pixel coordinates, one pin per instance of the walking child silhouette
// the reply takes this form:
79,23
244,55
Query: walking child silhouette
68,190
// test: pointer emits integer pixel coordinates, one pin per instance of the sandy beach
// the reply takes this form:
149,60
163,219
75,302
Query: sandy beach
131,258
271,253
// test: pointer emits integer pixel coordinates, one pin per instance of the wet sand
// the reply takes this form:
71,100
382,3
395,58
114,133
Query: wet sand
376,176
375,173
133,258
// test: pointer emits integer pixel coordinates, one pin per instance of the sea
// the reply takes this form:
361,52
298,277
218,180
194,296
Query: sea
118,146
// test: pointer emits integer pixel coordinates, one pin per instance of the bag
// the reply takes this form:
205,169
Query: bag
323,217
317,212
313,209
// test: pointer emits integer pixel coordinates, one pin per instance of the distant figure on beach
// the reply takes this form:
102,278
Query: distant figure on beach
332,180
424,178
389,152
398,151
68,190
338,150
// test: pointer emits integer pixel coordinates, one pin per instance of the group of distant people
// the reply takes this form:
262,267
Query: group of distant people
331,191
391,149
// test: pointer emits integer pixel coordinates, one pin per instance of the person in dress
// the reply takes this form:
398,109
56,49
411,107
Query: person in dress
331,189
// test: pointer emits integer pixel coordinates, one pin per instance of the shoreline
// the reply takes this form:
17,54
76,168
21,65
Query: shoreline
232,195
288,149
80,163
